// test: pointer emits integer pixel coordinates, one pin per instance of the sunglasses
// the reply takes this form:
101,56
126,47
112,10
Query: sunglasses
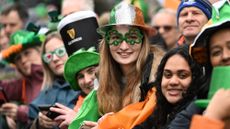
167,28
113,37
48,57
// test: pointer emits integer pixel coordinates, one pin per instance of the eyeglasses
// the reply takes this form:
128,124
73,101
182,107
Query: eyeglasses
167,28
113,37
48,57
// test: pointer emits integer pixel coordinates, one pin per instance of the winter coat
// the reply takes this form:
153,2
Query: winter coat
148,123
60,92
183,119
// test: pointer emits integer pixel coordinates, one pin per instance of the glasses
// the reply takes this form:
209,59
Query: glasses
48,57
167,28
113,37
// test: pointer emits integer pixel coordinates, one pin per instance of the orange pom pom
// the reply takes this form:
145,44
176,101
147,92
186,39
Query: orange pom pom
12,49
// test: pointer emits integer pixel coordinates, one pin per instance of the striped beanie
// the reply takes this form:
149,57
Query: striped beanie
204,5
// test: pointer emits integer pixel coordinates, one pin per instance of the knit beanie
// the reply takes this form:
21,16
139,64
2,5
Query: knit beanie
204,5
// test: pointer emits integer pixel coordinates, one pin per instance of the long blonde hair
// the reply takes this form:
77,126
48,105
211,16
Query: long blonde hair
48,73
111,95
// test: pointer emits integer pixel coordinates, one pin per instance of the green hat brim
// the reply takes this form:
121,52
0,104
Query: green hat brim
199,48
78,62
202,103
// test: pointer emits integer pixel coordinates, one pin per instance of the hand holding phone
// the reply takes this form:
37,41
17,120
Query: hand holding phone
49,113
44,121
44,107
52,114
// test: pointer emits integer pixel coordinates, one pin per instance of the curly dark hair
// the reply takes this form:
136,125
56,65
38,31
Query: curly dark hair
164,109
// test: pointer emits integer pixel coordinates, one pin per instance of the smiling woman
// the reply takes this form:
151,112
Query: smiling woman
177,79
124,52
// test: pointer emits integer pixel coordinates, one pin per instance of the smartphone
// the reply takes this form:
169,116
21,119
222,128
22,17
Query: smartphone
3,97
52,115
44,107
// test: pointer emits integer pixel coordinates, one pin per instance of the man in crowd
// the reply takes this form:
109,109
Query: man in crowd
165,22
192,15
14,17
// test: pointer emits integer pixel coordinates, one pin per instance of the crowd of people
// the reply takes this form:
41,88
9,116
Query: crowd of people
123,68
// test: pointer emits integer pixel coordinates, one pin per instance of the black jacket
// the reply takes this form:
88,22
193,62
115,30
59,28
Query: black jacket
178,118
182,119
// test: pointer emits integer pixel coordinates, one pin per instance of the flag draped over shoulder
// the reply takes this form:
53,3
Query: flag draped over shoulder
132,114
88,111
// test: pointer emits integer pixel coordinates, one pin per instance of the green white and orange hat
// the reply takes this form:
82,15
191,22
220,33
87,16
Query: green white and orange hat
20,40
126,14
220,19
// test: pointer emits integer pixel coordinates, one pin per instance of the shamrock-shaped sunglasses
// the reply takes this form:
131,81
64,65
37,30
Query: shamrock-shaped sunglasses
113,37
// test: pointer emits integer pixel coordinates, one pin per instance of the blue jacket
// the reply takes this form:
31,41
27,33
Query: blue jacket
60,92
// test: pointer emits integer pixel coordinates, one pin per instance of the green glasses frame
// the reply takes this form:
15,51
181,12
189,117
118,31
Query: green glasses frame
48,57
133,36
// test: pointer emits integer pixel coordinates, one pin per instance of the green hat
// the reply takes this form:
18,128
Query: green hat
32,27
127,14
55,18
220,79
78,31
36,29
19,41
78,61
220,19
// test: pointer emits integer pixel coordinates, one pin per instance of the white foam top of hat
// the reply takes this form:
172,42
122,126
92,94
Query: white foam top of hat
77,16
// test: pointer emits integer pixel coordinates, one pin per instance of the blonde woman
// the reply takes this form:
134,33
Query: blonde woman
54,88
